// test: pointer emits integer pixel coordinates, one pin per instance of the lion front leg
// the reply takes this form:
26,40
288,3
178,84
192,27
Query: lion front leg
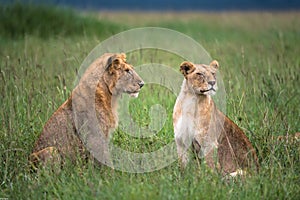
182,151
206,148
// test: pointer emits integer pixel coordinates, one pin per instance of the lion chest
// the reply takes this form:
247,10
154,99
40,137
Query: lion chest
189,121
192,120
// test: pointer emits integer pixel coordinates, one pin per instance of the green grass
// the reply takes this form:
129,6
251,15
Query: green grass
259,57
17,20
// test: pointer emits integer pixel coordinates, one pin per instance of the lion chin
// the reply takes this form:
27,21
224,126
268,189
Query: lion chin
134,95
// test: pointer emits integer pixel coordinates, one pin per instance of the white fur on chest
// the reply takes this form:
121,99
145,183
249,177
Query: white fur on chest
185,126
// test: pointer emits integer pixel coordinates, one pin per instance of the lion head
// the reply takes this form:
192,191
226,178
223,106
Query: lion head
120,76
200,78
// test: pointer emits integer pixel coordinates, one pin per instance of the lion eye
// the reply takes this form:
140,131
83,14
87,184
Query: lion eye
200,74
128,71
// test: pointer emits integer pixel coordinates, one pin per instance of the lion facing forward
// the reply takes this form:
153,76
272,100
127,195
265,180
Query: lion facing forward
88,117
198,122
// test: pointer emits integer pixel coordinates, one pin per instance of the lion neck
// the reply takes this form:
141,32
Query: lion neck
107,99
202,105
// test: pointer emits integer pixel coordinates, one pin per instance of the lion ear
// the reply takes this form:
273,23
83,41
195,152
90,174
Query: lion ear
186,68
115,61
214,64
122,57
119,58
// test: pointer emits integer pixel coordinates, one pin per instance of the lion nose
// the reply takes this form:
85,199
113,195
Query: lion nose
141,84
212,83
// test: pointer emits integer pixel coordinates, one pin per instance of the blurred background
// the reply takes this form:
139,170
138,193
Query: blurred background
163,5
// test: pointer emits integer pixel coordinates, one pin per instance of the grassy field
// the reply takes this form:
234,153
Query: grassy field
260,64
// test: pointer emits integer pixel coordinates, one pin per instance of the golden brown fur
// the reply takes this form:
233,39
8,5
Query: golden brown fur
69,129
198,122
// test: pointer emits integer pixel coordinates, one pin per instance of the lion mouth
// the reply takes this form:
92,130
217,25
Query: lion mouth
134,94
211,89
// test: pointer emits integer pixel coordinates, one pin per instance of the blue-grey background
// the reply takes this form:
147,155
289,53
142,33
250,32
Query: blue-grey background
160,5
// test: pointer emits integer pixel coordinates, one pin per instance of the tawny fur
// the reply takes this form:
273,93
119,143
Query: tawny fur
66,134
198,122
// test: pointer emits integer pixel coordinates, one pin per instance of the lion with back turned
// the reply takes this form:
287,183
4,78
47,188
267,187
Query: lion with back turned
198,122
88,117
